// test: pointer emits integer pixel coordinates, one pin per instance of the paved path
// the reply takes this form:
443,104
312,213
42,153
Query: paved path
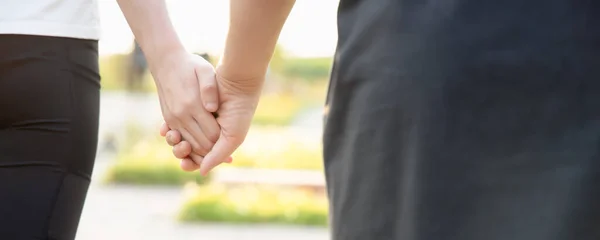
148,213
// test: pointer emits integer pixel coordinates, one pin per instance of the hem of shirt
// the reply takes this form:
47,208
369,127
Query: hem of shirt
50,29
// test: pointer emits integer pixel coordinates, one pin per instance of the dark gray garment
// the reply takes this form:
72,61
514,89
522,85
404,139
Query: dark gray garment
465,120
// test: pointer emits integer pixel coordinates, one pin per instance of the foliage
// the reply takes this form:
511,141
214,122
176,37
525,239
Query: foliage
291,156
308,69
255,204
150,162
278,109
113,70
288,70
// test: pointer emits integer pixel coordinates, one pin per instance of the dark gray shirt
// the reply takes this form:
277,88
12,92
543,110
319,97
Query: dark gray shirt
465,120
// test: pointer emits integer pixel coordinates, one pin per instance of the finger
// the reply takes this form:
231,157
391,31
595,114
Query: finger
202,144
164,129
208,89
222,150
188,165
197,159
173,137
182,150
209,126
194,135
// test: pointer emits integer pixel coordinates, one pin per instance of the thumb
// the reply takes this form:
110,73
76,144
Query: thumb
221,152
208,89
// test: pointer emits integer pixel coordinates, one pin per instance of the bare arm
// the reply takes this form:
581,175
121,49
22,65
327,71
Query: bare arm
183,80
254,28
150,23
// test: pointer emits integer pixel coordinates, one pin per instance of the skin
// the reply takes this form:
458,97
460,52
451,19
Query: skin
254,28
183,79
181,149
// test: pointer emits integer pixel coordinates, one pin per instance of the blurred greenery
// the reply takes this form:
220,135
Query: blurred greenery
113,69
288,70
151,173
278,109
307,69
261,204
144,159
149,162
291,156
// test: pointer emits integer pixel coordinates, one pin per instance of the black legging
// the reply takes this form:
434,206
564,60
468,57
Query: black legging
49,105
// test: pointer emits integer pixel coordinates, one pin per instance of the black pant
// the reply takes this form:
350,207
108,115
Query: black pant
49,106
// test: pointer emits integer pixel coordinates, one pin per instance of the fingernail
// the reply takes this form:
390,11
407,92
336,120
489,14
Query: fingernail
211,106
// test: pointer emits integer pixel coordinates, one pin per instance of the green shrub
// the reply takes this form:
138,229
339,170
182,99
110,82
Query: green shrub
309,69
151,173
253,204
278,109
150,162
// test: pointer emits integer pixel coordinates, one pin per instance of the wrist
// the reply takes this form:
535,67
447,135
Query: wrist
241,72
160,48
240,81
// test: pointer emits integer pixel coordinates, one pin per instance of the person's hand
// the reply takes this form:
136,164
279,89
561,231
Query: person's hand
181,149
238,101
187,91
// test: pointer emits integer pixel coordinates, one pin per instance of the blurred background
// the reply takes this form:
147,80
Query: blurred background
275,187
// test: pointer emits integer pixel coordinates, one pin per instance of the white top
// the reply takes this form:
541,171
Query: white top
59,18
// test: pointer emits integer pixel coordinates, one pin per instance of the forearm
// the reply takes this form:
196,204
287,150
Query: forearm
254,29
150,23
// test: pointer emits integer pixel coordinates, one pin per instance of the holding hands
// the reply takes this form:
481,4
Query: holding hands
237,104
187,91
189,88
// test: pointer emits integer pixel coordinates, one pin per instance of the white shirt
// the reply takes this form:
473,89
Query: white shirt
59,18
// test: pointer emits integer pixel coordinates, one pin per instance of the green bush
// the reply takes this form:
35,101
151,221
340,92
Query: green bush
309,69
253,204
150,173
278,109
150,163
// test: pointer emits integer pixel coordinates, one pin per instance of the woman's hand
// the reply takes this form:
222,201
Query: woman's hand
181,149
238,102
187,91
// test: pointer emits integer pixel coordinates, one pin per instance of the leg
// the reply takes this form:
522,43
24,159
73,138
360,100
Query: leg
49,105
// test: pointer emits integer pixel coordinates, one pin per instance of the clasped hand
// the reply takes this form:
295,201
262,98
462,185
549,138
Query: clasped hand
190,91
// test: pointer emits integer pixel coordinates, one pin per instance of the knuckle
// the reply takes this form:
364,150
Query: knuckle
208,88
177,152
170,118
213,136
179,112
200,150
237,141
169,141
180,154
205,67
190,102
